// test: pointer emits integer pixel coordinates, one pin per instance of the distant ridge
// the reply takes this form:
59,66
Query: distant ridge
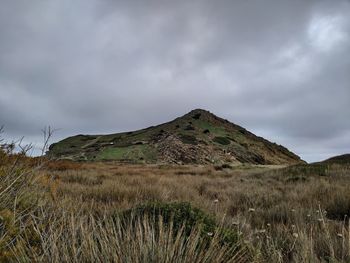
340,159
198,137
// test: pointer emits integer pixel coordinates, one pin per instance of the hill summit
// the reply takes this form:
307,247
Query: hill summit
198,137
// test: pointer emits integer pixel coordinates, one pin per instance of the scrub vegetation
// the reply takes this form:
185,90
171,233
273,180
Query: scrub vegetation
63,211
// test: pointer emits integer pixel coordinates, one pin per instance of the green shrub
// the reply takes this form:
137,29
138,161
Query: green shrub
189,128
338,207
226,166
179,215
196,116
188,139
222,167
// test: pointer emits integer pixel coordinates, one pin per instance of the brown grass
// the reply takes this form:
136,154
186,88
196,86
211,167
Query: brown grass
288,216
81,238
295,214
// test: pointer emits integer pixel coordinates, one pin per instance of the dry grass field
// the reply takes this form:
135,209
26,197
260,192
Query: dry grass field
69,212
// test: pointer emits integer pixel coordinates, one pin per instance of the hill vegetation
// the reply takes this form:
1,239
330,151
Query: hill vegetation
65,211
198,137
340,159
102,212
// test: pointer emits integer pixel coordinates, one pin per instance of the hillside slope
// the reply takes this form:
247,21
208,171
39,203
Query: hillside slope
197,137
340,159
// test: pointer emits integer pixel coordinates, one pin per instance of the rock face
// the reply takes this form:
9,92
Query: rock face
198,137
172,150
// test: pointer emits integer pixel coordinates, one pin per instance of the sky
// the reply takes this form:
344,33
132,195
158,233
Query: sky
279,68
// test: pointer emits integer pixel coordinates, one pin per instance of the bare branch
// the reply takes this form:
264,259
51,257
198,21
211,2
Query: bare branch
1,131
24,149
47,133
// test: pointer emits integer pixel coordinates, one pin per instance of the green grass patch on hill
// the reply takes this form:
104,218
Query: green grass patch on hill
216,130
133,152
222,140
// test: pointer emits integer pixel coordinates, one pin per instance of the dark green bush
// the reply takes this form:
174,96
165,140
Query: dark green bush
226,166
196,116
222,167
189,128
188,139
180,214
338,207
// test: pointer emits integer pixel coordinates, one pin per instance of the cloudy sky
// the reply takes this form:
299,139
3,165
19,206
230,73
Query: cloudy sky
279,68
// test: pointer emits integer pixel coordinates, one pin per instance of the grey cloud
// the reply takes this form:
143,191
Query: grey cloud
278,68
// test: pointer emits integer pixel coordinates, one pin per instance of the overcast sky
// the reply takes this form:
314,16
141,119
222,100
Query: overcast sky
279,68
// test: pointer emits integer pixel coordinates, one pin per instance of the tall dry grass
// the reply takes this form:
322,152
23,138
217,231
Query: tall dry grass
84,238
65,213
19,198
36,231
287,214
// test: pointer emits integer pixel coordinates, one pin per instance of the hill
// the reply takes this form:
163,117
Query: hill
198,137
340,159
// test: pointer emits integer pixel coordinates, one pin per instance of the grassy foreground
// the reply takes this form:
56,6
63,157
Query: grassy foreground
104,212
